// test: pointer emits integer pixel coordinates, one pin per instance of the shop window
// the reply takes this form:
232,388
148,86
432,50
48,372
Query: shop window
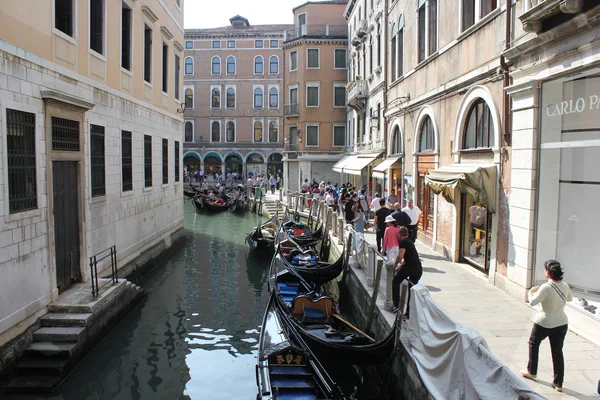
21,161
478,129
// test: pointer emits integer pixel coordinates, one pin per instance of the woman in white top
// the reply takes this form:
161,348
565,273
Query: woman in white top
549,322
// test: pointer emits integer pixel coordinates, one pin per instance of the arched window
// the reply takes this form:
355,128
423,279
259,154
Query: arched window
426,136
478,129
189,132
258,131
231,65
273,134
258,98
189,98
273,98
258,65
230,132
216,65
273,65
216,98
231,98
396,141
189,65
215,132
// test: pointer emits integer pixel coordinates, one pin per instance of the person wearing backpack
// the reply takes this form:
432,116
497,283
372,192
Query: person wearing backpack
549,322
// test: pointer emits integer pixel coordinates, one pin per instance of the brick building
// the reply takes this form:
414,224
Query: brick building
233,86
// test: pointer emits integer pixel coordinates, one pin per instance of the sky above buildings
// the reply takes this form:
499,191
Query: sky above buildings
215,13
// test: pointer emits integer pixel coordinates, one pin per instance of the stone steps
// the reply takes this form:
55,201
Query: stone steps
64,319
59,334
67,332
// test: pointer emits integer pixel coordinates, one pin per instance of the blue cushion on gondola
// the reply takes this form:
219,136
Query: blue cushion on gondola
288,291
298,394
313,313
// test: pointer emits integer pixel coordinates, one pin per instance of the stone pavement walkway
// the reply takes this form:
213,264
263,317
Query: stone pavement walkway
504,322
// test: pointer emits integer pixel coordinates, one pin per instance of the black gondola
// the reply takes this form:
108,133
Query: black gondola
198,201
287,368
330,336
214,206
263,237
305,239
308,265
189,193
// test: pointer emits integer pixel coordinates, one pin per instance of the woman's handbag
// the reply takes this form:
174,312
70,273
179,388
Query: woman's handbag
391,256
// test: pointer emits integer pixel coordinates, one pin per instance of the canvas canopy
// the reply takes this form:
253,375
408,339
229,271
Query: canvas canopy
338,166
478,180
356,165
380,170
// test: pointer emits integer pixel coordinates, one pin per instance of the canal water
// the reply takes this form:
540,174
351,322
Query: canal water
195,336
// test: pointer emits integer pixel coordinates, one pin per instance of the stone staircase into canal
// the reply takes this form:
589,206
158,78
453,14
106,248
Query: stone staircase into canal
273,207
73,326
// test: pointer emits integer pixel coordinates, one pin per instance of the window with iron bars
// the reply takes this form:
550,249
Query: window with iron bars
147,161
65,134
126,161
165,161
177,161
20,149
97,160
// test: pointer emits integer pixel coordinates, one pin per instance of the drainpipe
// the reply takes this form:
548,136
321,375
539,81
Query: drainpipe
506,81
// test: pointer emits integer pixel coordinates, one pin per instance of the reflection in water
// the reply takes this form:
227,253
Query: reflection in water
196,331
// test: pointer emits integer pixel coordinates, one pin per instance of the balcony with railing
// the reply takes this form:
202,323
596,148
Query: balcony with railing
291,110
538,11
316,31
358,92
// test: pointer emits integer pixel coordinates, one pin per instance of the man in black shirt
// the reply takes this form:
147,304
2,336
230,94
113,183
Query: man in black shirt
379,222
410,267
402,218
348,212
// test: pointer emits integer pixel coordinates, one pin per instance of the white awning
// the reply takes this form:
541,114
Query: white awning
380,170
340,164
356,165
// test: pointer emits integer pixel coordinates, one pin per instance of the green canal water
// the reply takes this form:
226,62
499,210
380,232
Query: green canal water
195,336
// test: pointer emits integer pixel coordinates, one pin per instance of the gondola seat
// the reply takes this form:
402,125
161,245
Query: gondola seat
306,309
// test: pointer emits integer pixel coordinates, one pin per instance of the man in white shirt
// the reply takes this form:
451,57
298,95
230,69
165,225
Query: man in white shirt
330,200
375,203
414,213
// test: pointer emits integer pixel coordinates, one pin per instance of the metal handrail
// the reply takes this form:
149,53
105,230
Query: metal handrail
99,258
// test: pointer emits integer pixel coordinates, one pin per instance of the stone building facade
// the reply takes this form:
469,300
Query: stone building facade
90,142
315,66
367,96
555,89
233,87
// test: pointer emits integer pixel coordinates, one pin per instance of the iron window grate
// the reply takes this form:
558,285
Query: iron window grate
97,160
65,134
126,161
20,140
165,161
176,161
147,161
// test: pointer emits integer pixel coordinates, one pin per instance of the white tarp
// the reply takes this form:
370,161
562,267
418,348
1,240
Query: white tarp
455,362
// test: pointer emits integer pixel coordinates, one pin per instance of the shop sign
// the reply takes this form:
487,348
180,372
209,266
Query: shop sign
573,106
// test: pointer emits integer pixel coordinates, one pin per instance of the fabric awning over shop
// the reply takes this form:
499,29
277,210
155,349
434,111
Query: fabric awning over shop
380,170
338,166
356,165
478,180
